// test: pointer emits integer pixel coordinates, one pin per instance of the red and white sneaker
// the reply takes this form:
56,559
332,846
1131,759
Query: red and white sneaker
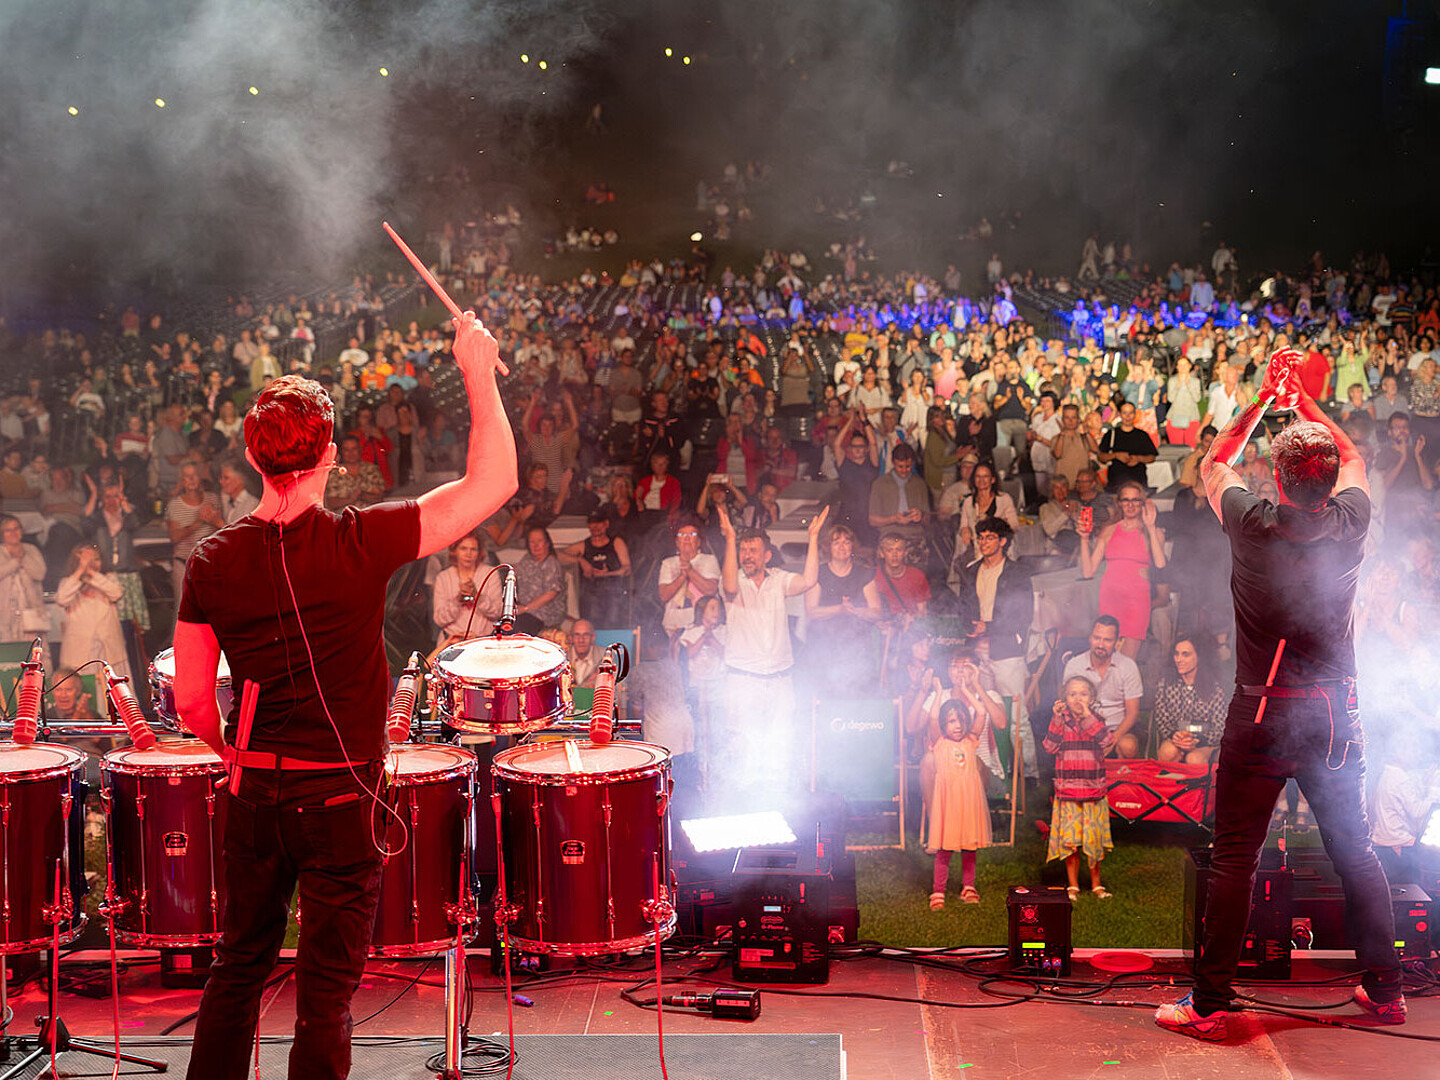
1181,1017
1387,1012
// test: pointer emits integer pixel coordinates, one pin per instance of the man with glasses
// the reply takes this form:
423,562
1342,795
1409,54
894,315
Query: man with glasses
858,465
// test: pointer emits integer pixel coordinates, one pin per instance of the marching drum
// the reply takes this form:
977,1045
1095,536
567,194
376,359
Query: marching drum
501,685
587,852
162,690
432,789
164,821
42,817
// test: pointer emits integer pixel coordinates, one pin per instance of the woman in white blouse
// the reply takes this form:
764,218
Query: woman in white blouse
92,616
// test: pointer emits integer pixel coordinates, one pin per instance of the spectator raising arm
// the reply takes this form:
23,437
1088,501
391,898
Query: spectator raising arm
451,510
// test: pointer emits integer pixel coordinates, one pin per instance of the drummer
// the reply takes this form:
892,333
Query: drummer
294,594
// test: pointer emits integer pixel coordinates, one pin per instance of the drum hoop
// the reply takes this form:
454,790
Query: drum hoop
594,948
166,941
423,948
498,727
502,769
11,948
47,772
518,682
429,779
129,768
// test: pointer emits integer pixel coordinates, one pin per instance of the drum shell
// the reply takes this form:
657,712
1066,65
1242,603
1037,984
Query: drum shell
164,834
583,853
35,831
421,884
162,691
502,701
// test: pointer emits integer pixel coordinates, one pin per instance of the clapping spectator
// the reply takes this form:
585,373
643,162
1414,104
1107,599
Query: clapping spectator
90,598
191,515
467,595
22,570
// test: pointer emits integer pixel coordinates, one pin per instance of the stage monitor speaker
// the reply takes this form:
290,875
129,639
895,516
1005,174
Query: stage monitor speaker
1265,949
782,915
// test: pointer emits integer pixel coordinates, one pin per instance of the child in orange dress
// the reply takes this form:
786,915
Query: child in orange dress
959,815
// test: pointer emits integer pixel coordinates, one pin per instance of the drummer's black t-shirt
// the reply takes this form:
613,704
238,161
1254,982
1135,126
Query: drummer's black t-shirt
1293,576
339,566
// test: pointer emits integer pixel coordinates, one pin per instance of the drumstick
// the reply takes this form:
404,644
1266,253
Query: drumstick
435,286
249,699
572,756
1270,680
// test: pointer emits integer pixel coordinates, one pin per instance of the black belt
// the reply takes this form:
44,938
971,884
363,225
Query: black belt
1314,692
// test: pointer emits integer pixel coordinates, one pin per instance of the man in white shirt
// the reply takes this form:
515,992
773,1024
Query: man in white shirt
584,656
354,355
685,577
1117,684
235,498
760,698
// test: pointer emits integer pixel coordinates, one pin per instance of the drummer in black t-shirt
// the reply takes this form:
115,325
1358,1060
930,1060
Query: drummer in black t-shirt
294,595
1295,712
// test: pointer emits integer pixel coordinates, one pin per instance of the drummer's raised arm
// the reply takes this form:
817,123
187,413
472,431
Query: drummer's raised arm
197,664
451,510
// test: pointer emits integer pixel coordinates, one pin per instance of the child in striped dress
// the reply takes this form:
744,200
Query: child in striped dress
1080,820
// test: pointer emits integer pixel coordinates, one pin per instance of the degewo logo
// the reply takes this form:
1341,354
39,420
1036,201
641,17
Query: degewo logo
842,724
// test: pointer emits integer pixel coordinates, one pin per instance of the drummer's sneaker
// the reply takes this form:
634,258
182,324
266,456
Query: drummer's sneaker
1182,1017
1387,1012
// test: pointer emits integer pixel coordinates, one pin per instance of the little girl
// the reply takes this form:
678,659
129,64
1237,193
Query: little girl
703,646
959,815
1081,817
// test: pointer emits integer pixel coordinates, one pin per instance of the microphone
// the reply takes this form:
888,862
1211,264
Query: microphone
506,623
32,684
721,1004
122,700
614,666
403,703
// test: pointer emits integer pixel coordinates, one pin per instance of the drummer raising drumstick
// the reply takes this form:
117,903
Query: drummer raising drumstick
294,595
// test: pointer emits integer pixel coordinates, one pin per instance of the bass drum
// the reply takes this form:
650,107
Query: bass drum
162,691
42,825
430,790
587,849
164,824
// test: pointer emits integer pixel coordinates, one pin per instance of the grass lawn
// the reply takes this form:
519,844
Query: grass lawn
1145,872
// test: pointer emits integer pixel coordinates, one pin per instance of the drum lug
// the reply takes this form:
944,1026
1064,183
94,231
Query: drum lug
662,798
610,914
605,807
657,911
414,910
140,805
66,802
105,799
463,913
210,802
214,903
540,911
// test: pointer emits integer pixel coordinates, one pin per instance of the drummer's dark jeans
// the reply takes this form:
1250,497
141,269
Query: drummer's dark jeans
1294,739
283,828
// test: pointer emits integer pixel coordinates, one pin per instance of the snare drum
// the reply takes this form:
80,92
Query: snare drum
164,823
42,824
586,853
432,789
162,690
501,686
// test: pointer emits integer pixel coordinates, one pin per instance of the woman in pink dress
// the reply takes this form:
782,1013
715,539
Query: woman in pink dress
1129,548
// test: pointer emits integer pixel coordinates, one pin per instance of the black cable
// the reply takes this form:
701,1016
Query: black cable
403,991
496,1059
268,984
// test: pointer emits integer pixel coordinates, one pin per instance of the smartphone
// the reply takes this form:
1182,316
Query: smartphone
718,478
1195,729
1087,518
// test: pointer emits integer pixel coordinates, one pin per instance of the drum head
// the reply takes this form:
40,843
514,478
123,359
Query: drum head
35,759
177,754
500,659
547,762
418,760
164,666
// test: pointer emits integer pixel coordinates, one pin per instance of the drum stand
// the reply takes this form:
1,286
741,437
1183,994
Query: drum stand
462,914
54,1037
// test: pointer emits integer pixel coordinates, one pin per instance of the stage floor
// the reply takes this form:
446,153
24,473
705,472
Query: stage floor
879,1039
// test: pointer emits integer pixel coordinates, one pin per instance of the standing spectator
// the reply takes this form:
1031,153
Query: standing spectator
466,595
1129,548
1012,405
997,601
738,454
899,500
550,445
658,493
685,578
839,640
374,446
859,467
1117,684
604,563
626,385
191,515
111,523
1126,450
1182,391
90,598
760,696
408,439
898,593
985,500
22,569
169,451
1190,704
1045,428
1224,401
1080,818
1072,449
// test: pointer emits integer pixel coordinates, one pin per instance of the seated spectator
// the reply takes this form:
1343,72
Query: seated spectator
539,584
738,455
1058,516
13,484
1126,449
1088,492
69,700
1131,549
1190,468
658,493
374,446
1254,468
92,621
354,481
997,601
987,500
899,499
686,577
1117,684
1190,705
948,506
778,462
535,493
584,656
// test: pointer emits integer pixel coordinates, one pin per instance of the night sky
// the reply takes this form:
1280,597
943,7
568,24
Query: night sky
1276,123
